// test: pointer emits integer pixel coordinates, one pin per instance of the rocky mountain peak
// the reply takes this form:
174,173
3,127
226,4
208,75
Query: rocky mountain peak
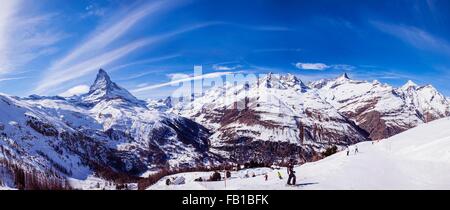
410,84
102,82
104,88
344,76
282,81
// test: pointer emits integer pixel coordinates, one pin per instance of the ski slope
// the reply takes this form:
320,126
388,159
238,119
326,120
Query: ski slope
416,159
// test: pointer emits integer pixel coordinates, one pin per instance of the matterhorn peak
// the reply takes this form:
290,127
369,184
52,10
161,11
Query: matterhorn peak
105,89
102,81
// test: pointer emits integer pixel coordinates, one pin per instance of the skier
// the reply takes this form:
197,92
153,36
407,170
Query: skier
356,149
279,174
291,173
247,175
266,176
348,151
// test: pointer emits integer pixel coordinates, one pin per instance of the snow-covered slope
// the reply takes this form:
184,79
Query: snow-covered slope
381,109
375,107
105,129
427,100
415,159
34,142
162,105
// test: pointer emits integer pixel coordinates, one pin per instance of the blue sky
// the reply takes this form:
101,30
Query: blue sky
50,46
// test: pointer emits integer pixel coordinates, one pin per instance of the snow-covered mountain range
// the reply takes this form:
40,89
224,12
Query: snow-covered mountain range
280,117
111,134
381,109
106,131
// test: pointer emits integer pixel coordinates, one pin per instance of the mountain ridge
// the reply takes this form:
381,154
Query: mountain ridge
111,135
259,113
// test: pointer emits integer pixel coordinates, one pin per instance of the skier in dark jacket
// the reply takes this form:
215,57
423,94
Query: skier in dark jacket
291,174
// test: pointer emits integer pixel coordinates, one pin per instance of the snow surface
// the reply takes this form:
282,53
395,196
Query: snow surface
416,159
6,188
114,123
95,183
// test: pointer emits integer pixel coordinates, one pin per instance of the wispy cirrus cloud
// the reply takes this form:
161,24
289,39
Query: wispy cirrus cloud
3,79
323,66
275,50
111,30
84,67
8,11
343,67
24,36
219,67
144,61
177,76
273,28
229,65
181,78
96,52
312,66
414,36
77,90
268,28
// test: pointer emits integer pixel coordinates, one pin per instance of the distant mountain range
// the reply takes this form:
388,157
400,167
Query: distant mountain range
284,118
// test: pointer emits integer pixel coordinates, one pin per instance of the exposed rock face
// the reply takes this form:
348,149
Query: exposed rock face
380,109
